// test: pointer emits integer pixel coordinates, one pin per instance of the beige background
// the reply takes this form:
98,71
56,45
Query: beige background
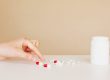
61,26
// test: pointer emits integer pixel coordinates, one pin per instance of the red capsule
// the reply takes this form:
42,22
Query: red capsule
45,65
37,63
55,61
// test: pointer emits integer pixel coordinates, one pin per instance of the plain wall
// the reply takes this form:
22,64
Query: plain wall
61,26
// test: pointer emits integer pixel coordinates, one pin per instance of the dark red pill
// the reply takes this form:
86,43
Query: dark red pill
37,63
55,61
45,65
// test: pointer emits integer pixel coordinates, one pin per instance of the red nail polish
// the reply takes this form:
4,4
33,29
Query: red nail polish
45,65
37,63
55,61
27,49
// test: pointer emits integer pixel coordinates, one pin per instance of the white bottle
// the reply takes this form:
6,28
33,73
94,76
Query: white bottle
100,50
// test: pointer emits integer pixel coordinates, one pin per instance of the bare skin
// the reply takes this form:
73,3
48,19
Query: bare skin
22,48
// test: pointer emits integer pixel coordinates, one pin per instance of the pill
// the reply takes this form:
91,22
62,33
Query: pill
45,65
37,63
55,61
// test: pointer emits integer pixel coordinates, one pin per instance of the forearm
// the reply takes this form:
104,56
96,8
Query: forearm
2,55
6,50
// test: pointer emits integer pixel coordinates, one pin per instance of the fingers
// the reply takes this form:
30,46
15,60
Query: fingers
27,55
33,49
35,42
31,57
26,48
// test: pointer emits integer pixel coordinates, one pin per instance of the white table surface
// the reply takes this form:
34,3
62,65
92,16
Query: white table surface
82,70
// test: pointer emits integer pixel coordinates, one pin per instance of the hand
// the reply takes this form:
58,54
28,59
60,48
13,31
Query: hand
24,48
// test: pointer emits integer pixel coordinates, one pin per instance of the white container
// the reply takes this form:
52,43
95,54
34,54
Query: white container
100,50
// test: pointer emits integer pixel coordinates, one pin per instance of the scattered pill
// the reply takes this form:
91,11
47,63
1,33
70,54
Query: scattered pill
45,65
55,61
37,63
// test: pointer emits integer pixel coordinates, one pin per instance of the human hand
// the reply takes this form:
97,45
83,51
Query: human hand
24,48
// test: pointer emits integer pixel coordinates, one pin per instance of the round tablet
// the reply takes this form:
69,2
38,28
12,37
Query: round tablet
37,63
45,65
55,61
